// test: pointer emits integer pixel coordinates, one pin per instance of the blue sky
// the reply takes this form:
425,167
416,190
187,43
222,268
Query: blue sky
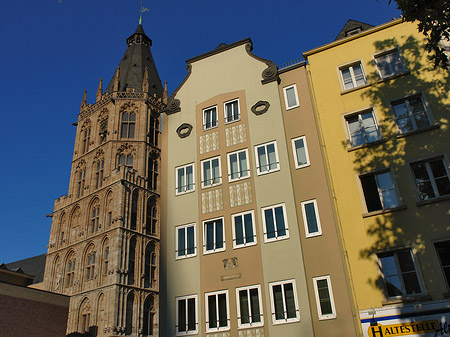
54,49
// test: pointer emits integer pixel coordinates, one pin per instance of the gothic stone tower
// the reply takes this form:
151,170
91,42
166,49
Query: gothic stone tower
104,242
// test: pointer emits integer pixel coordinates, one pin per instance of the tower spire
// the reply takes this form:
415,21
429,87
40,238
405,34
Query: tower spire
141,11
99,90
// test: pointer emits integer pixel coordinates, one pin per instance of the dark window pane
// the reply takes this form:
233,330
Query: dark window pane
270,224
254,304
182,315
190,240
219,233
212,313
278,302
248,228
371,194
243,303
281,229
239,230
290,301
191,314
311,218
181,241
223,321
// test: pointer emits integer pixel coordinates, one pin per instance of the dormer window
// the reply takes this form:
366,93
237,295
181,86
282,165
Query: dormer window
353,31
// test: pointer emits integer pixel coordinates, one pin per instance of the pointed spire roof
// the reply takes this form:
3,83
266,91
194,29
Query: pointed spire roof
132,67
352,27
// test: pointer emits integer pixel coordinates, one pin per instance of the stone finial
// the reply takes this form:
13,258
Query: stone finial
145,81
99,90
165,96
83,101
116,80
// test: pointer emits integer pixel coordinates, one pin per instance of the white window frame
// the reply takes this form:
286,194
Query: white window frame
189,332
230,179
238,303
360,122
272,303
330,293
430,175
212,179
394,188
245,244
305,219
204,118
215,293
225,111
185,256
214,250
294,150
410,116
350,67
288,107
185,190
258,167
286,226
377,56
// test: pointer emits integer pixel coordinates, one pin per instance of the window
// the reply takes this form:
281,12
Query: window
238,165
290,96
410,114
185,179
249,307
186,245
213,236
127,161
231,110
90,266
99,173
211,174
324,297
103,130
217,311
301,157
399,273
210,118
275,223
311,218
443,250
95,218
186,315
379,191
86,140
284,303
80,184
362,128
128,124
431,177
267,158
243,229
389,64
352,76
70,271
105,260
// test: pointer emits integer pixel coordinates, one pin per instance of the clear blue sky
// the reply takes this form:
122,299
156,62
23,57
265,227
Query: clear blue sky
52,50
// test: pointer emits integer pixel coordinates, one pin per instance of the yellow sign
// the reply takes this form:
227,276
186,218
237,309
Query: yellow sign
403,329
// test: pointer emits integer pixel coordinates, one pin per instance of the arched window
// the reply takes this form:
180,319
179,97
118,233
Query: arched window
150,278
56,274
131,260
129,314
86,133
94,223
154,130
62,228
127,161
70,270
81,178
74,224
149,316
134,209
153,173
84,316
152,216
90,264
101,313
128,124
108,213
105,261
99,173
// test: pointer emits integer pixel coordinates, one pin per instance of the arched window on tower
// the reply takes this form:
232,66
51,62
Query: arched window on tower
128,125
99,173
84,316
86,139
153,173
56,275
90,264
134,209
154,130
94,223
108,207
149,316
151,216
105,260
129,314
74,225
127,161
101,313
70,270
81,178
150,265
131,260
62,228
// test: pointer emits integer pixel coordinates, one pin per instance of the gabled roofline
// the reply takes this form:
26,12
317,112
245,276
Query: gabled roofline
353,37
220,49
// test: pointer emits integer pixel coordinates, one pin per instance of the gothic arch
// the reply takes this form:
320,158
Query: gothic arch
149,313
134,208
105,259
74,224
101,310
150,265
93,221
69,269
129,319
89,263
61,229
132,260
84,315
108,202
152,216
56,274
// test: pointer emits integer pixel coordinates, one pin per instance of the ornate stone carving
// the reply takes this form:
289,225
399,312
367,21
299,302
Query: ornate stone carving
269,74
230,263
129,107
173,106
260,107
184,130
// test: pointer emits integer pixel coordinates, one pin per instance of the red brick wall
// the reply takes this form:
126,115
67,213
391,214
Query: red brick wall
25,318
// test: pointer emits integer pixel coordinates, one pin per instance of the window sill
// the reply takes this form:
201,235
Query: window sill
267,172
183,193
407,299
276,239
233,121
292,107
210,186
432,201
211,128
428,128
377,142
386,79
344,92
384,211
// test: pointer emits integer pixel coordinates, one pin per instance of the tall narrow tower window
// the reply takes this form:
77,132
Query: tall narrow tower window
86,140
80,184
99,173
95,218
154,131
90,265
128,125
131,260
127,161
134,209
70,270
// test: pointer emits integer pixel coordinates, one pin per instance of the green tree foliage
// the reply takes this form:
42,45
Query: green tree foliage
434,22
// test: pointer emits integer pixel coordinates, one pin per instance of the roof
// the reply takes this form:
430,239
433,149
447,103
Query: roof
132,67
352,27
34,266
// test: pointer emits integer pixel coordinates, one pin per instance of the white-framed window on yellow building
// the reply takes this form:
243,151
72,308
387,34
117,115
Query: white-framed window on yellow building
352,76
389,63
379,190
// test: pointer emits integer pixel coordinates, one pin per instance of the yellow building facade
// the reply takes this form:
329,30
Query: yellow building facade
382,112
